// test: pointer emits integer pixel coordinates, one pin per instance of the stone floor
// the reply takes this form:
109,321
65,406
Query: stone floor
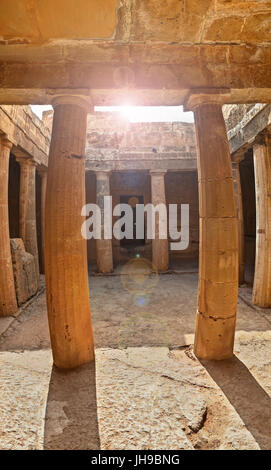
148,390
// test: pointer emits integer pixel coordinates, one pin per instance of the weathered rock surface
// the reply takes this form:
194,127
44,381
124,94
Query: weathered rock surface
24,378
24,271
149,396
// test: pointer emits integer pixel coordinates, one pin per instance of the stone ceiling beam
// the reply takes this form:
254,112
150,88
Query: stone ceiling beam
137,97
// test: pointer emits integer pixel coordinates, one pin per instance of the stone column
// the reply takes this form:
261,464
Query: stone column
218,267
27,209
240,219
65,250
8,302
159,246
43,175
103,247
262,277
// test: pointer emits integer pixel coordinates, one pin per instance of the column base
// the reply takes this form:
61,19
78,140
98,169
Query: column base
214,338
104,256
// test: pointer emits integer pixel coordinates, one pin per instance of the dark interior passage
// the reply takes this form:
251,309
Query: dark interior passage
249,213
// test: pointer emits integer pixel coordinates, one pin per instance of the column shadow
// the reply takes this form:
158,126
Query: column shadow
245,394
71,420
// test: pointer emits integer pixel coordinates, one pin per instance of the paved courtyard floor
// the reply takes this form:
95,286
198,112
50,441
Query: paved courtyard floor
146,389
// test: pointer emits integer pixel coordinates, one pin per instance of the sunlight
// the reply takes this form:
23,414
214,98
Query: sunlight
149,113
137,113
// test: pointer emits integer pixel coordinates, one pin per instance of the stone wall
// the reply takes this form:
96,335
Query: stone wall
130,150
114,131
181,188
234,113
26,131
245,123
113,142
116,144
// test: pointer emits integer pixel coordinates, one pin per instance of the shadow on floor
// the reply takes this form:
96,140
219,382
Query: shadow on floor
71,413
248,398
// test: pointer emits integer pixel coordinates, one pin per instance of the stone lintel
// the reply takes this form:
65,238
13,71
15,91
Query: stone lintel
109,96
245,136
144,165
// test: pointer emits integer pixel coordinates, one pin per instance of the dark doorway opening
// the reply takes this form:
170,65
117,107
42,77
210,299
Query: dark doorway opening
249,213
13,196
132,200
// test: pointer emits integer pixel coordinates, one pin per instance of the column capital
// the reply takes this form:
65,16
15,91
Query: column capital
42,171
237,157
25,161
102,173
262,138
6,142
78,100
202,96
157,172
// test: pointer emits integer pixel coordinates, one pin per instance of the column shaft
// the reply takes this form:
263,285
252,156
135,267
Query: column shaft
27,209
43,175
218,270
159,245
262,277
65,250
103,247
8,302
240,219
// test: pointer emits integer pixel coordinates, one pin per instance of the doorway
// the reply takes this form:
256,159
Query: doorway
132,201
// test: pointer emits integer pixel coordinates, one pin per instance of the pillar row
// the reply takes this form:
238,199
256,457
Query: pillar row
103,246
8,302
159,245
65,249
262,277
218,266
27,209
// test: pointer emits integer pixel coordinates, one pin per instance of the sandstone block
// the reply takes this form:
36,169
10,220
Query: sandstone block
24,271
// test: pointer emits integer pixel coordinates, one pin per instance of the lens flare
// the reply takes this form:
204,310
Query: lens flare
139,276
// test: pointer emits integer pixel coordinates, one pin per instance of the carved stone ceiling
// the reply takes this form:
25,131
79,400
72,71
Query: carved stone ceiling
141,51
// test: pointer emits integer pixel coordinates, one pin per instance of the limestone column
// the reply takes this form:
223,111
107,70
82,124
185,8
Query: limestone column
104,246
159,245
65,250
8,302
218,267
43,175
240,219
27,209
262,277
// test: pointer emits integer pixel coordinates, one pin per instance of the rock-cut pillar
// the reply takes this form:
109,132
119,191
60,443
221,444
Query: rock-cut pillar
261,295
8,302
43,175
27,209
159,245
218,267
103,246
66,273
